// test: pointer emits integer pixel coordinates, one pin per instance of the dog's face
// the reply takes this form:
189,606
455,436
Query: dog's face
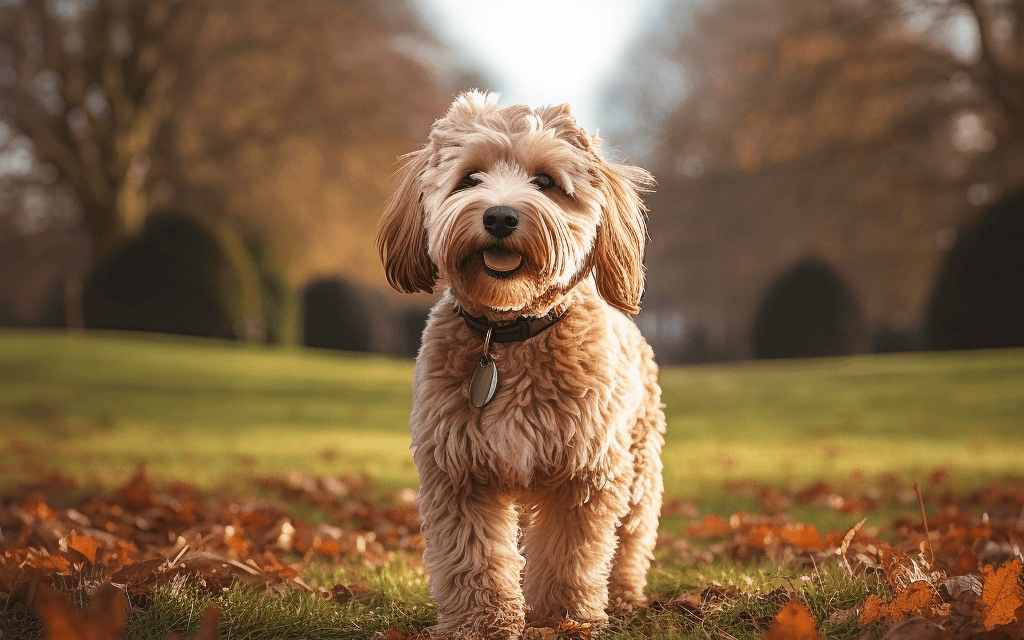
512,207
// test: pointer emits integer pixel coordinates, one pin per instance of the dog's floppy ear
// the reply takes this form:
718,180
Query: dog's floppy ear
402,238
619,248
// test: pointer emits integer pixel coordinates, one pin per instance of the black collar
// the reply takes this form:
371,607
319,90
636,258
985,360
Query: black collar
517,330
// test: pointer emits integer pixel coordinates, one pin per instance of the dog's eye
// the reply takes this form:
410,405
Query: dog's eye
543,181
468,182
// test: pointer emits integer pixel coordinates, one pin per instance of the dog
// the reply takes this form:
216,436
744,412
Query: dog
537,422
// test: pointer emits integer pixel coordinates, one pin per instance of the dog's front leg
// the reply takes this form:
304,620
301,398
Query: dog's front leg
471,555
569,546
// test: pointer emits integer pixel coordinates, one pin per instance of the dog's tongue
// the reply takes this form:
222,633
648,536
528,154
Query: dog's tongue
501,260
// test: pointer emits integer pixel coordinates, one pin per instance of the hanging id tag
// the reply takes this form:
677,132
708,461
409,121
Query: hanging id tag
485,377
485,382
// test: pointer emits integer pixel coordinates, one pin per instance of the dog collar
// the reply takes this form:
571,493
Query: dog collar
522,328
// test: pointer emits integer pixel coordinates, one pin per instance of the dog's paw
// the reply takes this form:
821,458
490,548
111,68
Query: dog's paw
551,628
540,633
627,602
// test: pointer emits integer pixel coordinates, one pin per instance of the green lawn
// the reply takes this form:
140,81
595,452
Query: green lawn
221,415
95,406
902,416
215,413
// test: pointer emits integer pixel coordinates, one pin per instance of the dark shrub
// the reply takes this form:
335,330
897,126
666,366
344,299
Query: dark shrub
334,317
979,297
166,281
808,312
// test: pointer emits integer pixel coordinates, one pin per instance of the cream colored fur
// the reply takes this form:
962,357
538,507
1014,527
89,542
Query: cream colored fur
543,504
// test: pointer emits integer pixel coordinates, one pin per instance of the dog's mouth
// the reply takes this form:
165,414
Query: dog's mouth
499,263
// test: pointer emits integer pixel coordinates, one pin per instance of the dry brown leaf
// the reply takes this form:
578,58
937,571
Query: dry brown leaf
221,540
896,566
793,622
207,629
687,601
804,536
346,592
1001,594
56,564
104,619
842,616
83,545
711,526
572,629
909,602
872,612
916,629
761,535
138,492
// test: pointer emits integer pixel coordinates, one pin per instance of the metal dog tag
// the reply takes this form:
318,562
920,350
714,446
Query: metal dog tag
485,382
485,378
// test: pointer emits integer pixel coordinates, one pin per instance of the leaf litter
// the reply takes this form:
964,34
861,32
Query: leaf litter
957,574
139,539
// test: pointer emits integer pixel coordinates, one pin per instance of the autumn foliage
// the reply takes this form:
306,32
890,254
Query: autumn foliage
85,564
122,547
958,572
793,622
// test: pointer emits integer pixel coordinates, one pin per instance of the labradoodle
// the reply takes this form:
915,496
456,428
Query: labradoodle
537,424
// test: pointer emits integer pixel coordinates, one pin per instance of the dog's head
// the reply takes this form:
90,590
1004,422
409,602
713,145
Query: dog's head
512,207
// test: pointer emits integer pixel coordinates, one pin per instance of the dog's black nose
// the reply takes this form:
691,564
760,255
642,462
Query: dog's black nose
500,221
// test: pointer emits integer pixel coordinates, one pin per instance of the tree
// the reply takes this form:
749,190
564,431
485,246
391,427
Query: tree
276,124
863,134
296,128
88,81
999,65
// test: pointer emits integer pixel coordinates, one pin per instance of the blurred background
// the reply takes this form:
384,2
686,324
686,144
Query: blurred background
835,176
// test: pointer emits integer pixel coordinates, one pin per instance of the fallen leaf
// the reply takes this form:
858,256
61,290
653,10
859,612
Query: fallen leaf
872,612
896,566
960,584
572,629
346,592
804,536
1001,594
760,536
207,629
138,572
916,629
540,633
138,492
58,564
83,545
909,602
793,622
104,619
842,616
689,602
711,526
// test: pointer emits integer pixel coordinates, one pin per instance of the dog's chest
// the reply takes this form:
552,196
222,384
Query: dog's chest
547,422
533,428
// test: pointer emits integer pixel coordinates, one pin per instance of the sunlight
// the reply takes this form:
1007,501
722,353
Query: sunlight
542,52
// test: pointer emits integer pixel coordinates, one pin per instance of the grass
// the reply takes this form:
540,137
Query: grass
400,601
221,415
903,416
96,406
216,413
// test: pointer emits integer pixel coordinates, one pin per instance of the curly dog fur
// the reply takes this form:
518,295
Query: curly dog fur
543,504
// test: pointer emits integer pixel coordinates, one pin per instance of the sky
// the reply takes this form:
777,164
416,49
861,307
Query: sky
540,52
